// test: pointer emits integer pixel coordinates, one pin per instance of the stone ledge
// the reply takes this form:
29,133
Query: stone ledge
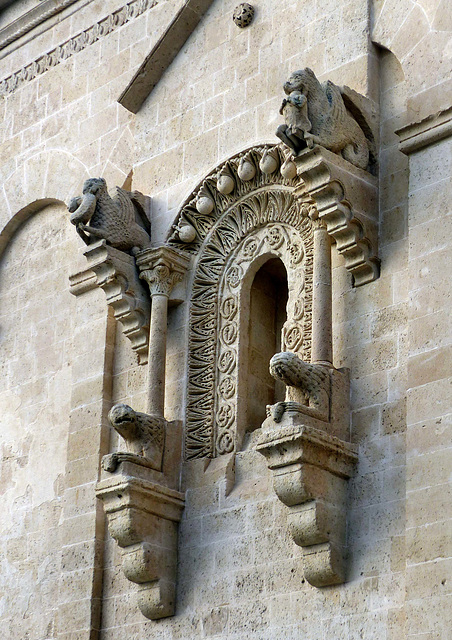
429,130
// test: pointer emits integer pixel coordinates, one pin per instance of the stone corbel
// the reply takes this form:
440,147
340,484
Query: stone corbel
139,486
116,275
346,198
310,471
304,442
143,511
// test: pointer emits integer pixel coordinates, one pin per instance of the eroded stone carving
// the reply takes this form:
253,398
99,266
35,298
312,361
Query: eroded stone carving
316,114
305,442
243,14
144,436
309,384
98,216
139,492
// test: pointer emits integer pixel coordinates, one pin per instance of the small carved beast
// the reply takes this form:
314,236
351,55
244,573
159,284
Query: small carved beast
316,114
96,215
144,435
309,384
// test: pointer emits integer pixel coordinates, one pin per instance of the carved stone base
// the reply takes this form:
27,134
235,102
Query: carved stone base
310,472
143,518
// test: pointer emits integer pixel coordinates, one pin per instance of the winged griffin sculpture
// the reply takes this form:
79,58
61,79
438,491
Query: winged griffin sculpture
315,113
97,216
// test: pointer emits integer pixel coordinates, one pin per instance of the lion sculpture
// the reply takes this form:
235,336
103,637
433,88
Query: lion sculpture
315,113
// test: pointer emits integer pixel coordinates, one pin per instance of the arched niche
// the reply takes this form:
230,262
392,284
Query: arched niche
264,215
268,297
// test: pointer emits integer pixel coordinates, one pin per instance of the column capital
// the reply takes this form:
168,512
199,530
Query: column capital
162,268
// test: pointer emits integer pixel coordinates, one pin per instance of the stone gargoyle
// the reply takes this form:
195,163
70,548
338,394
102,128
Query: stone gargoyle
98,216
309,385
315,113
143,434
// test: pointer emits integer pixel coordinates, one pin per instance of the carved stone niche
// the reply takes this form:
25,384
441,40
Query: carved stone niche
304,441
143,510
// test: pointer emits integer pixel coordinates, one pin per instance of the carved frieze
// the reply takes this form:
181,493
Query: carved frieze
251,211
294,248
77,43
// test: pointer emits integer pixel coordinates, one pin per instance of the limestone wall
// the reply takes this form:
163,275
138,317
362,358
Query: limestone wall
65,360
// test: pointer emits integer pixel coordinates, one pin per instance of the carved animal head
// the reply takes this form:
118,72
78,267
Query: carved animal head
123,419
302,80
94,186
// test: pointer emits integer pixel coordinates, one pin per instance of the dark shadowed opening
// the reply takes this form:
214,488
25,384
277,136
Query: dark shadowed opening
268,301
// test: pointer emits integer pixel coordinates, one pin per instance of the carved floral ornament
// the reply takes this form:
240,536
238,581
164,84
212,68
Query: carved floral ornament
261,196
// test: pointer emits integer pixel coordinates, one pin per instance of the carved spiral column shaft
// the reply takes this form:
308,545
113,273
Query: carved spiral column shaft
322,348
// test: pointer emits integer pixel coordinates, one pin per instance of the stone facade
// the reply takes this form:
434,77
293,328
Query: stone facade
174,100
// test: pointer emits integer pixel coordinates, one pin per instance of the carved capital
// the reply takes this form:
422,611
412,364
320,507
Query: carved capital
143,518
116,274
162,268
346,199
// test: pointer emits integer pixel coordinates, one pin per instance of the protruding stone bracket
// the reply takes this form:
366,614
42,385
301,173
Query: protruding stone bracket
310,472
143,517
304,443
346,199
143,508
117,276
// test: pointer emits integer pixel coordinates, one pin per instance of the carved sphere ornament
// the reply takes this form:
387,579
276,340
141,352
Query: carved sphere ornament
243,15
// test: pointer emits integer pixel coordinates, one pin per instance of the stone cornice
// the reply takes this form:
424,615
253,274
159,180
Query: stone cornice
418,135
31,19
75,44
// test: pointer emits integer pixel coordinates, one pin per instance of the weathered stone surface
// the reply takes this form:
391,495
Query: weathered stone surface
65,360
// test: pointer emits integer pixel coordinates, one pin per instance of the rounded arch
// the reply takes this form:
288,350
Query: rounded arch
252,205
48,177
419,36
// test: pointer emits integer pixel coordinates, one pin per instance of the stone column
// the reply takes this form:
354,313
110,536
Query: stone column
322,350
162,268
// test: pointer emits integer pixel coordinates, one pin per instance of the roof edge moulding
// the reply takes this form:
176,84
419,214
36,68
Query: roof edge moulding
163,53
31,19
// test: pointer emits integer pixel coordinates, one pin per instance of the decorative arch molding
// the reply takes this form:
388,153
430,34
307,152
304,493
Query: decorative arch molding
259,197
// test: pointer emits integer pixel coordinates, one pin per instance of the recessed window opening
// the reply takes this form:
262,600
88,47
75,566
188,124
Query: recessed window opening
268,302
